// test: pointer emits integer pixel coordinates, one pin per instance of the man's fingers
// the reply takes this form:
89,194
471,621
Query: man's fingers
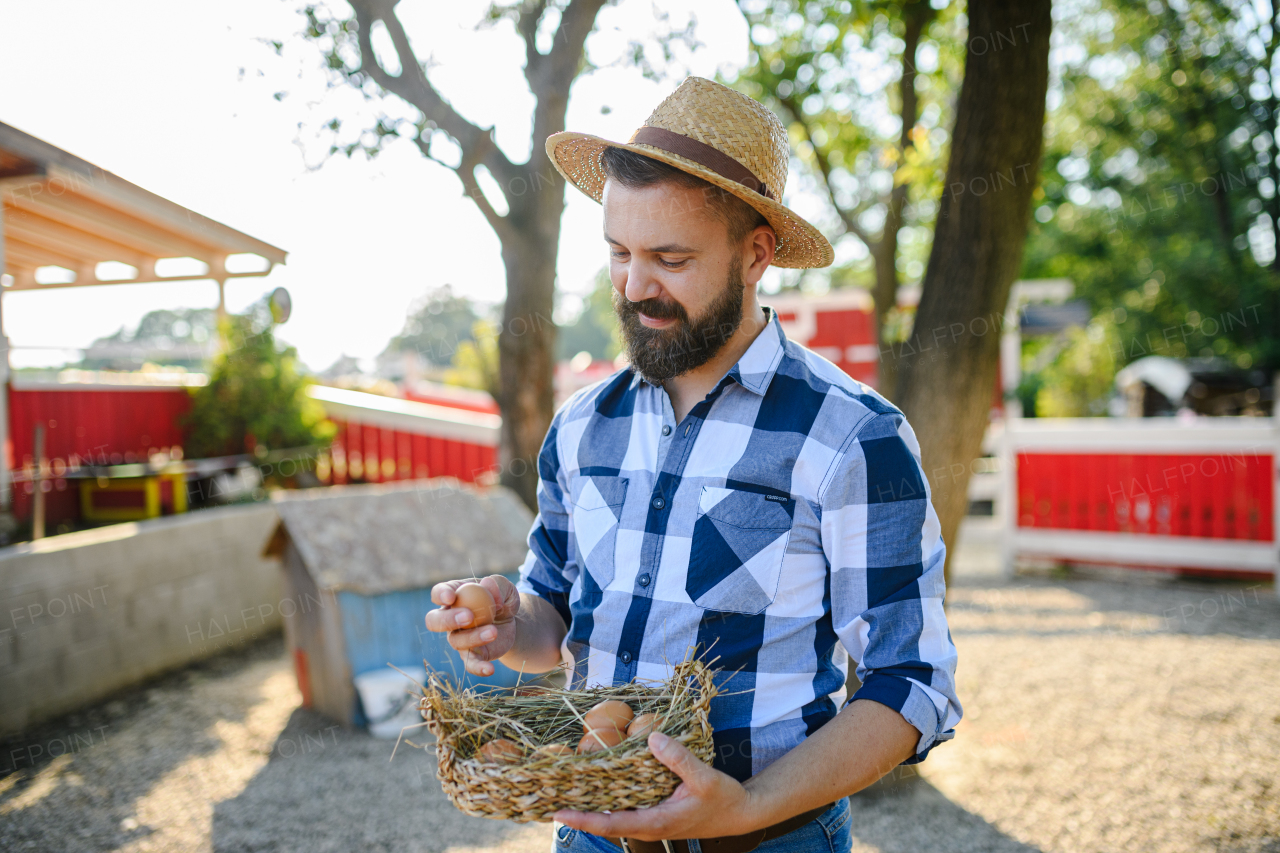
448,618
596,824
476,665
490,583
505,594
680,760
472,637
644,824
444,594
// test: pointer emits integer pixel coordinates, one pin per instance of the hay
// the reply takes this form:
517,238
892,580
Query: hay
626,776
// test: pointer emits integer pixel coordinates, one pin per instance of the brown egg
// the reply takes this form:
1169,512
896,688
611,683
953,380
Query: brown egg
609,714
501,751
642,725
553,750
589,743
477,599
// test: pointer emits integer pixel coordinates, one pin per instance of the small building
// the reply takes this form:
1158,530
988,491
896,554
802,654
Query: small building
359,563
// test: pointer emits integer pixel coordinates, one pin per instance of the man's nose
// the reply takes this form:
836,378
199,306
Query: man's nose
641,284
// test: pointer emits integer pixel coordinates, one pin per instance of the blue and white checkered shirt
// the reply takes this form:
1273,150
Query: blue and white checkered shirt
784,521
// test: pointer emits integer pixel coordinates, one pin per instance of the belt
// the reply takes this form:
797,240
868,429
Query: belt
725,844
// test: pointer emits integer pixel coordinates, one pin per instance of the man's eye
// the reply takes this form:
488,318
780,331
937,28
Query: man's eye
671,265
616,254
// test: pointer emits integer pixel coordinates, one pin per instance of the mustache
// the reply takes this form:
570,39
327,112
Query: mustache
658,309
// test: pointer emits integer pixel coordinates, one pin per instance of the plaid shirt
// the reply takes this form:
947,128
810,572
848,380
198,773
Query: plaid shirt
785,520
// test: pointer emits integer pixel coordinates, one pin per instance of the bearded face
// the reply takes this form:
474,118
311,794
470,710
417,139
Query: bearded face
689,343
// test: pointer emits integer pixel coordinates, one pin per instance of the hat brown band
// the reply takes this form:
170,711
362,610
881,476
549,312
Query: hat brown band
702,154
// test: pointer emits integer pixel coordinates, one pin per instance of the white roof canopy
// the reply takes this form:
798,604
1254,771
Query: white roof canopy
68,223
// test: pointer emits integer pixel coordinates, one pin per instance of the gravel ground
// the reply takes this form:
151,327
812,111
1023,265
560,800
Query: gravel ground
1105,712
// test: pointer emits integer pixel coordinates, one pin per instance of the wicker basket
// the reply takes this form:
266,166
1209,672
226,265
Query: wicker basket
626,776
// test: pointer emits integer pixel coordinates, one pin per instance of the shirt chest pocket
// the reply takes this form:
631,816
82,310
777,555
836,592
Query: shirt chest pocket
597,508
739,540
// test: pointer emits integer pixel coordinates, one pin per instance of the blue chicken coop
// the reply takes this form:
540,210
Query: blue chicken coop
359,563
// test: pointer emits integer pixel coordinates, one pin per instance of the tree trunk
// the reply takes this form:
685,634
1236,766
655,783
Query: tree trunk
527,342
534,192
946,372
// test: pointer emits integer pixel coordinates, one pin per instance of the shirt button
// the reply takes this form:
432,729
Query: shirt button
626,657
644,579
666,429
659,503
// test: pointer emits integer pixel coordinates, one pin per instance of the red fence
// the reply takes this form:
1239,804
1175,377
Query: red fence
371,454
379,438
1216,496
386,438
107,424
1197,496
87,424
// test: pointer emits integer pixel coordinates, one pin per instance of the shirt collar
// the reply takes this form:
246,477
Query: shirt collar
755,370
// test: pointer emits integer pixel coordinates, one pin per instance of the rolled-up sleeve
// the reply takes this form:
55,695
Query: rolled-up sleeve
884,545
547,571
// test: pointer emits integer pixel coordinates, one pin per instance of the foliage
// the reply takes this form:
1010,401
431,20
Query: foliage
1159,188
256,398
175,337
367,49
596,328
1080,382
374,69
475,362
436,326
828,67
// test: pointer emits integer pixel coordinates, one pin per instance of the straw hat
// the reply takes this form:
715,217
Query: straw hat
721,136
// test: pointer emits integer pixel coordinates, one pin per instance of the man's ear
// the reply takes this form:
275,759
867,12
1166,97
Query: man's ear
762,243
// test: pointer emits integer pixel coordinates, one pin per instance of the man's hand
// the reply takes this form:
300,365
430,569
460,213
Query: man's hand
707,804
477,646
863,742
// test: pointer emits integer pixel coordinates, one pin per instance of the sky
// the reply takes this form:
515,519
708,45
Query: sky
180,98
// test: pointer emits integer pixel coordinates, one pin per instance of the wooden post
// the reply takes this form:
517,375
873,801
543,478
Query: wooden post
37,497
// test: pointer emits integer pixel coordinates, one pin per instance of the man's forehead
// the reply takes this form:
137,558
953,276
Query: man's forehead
666,213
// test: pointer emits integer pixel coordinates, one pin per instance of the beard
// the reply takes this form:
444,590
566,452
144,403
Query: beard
662,354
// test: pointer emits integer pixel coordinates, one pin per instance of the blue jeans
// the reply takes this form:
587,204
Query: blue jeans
829,832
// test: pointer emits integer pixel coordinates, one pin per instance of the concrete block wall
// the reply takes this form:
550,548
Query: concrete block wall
86,614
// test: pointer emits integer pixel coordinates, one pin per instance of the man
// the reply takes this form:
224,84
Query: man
729,490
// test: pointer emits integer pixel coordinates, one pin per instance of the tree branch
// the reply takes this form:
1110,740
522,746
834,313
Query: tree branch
466,172
847,217
571,36
915,19
553,73
534,62
412,86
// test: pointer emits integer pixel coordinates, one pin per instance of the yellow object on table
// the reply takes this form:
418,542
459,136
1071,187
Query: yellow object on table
132,498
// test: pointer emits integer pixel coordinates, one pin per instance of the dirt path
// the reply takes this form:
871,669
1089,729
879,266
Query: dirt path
221,758
1102,715
1118,716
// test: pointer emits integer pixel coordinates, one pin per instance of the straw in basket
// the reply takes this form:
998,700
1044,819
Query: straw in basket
626,776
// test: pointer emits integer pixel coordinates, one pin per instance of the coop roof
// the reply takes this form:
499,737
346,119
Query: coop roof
382,538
